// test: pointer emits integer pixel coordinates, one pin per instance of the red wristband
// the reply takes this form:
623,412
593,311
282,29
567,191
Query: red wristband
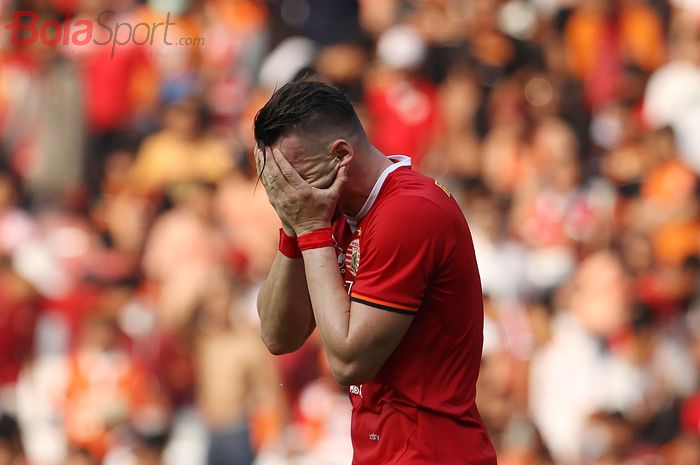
316,239
289,246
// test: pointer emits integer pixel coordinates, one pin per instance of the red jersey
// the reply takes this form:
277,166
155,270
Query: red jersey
410,251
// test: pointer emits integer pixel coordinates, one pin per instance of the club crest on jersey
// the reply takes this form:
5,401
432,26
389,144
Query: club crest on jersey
341,256
352,257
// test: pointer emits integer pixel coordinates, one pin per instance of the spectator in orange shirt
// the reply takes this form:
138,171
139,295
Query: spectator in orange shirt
106,388
603,36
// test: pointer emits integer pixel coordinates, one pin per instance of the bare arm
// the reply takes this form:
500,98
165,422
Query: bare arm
358,339
284,308
286,320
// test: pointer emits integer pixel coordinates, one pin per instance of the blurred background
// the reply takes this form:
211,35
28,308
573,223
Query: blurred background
133,241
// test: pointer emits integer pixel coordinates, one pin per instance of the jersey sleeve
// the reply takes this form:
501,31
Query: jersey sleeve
398,254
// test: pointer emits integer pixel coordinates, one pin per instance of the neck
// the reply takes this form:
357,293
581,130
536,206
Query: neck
363,175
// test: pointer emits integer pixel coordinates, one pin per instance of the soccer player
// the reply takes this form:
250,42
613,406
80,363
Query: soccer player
380,259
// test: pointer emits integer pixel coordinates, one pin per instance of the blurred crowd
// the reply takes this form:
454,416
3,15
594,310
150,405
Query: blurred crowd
133,239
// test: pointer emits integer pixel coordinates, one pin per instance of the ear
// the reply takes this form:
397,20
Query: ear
341,148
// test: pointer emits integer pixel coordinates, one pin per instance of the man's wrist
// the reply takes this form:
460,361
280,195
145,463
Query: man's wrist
310,227
288,230
316,239
288,245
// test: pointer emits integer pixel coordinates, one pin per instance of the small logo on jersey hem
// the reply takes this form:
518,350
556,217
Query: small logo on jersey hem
374,437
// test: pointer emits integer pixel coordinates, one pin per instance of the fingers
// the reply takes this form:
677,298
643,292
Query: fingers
268,170
341,177
274,170
259,159
287,170
272,173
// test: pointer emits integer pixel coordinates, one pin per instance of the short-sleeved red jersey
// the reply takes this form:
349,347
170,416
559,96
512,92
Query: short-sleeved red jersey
410,251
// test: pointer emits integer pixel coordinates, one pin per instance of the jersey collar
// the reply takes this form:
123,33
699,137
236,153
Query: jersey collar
399,161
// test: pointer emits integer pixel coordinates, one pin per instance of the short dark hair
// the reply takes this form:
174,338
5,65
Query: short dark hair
307,106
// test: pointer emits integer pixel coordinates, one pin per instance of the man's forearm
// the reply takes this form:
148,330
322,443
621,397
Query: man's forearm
286,319
357,339
330,303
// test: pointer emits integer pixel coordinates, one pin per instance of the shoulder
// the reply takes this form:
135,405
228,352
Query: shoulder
419,212
417,200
